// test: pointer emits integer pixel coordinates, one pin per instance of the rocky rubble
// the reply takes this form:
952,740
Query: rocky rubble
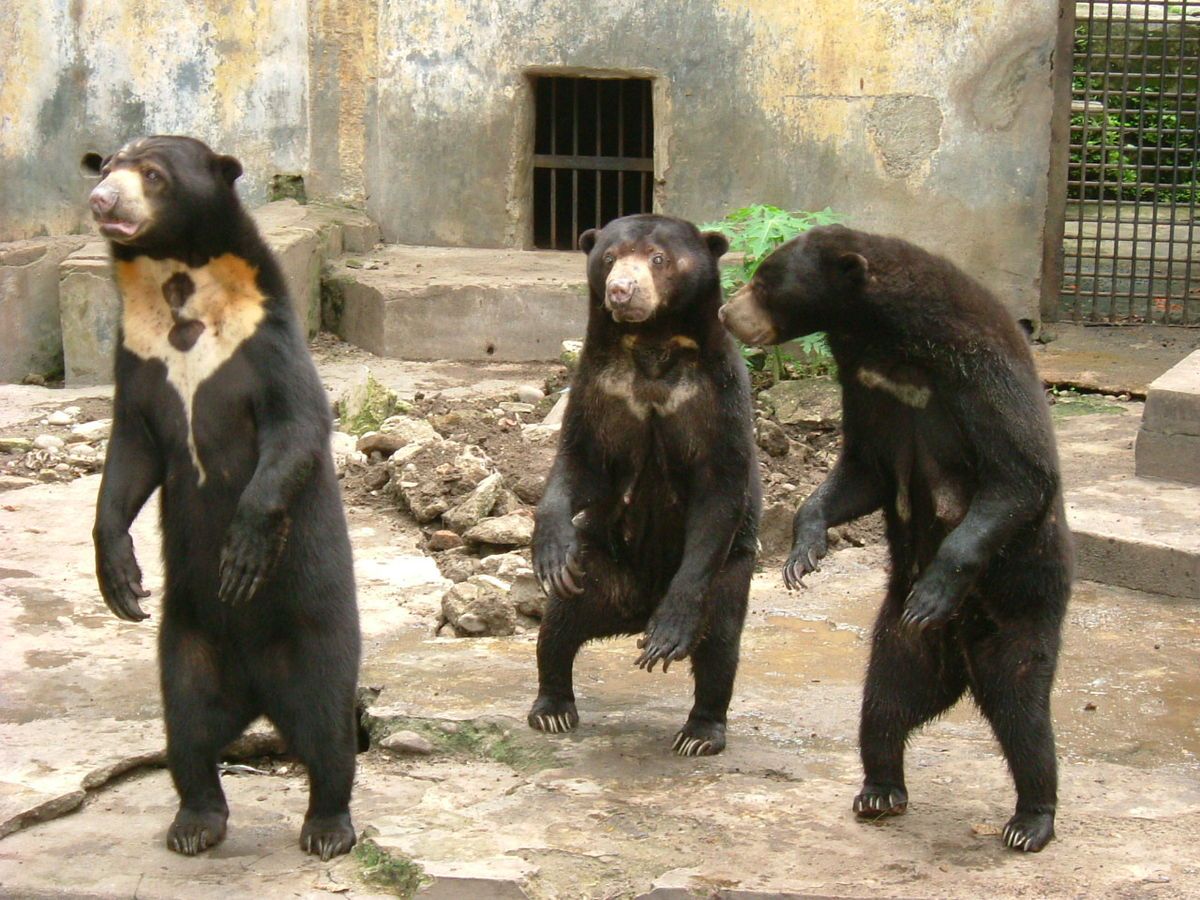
60,446
478,519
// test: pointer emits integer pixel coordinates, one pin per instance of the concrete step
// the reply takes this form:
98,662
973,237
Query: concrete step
409,302
1135,532
1168,443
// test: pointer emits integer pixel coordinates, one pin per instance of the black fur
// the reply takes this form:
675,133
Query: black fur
649,522
954,442
258,613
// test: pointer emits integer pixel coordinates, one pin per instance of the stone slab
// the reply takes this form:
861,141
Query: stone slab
1173,402
90,314
411,302
30,333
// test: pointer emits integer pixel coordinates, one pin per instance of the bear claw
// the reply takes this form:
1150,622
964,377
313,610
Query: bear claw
874,802
1029,832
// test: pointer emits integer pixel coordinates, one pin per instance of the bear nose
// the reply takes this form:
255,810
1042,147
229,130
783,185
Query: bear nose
103,199
620,290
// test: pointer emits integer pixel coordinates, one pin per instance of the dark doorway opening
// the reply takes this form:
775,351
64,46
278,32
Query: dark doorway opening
593,155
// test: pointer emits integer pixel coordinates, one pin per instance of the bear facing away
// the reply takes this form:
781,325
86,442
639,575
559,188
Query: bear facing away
945,426
218,405
650,514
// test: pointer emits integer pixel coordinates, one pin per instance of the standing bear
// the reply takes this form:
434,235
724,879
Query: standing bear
945,426
219,406
650,514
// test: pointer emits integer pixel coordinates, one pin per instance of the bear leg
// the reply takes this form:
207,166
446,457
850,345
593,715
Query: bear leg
911,678
715,659
204,709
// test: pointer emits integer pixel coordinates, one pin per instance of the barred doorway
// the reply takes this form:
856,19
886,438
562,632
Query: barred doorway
593,155
1129,238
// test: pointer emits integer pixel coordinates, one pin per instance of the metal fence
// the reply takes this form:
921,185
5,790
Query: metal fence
1129,237
593,155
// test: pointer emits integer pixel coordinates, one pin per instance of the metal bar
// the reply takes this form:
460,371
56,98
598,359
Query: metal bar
575,172
1186,302
599,179
601,163
553,175
1097,279
646,203
621,148
1154,205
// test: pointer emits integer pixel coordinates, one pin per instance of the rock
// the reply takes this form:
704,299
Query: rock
554,418
505,566
479,607
810,402
13,482
569,354
15,445
508,503
529,488
59,417
344,451
526,596
772,438
377,478
397,432
514,530
528,393
366,404
476,506
516,408
430,478
443,540
775,529
48,442
407,743
93,431
457,564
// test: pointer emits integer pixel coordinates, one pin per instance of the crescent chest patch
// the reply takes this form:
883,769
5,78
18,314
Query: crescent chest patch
190,319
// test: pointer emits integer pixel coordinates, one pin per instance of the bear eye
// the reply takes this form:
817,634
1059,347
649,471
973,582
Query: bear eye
152,176
658,259
609,259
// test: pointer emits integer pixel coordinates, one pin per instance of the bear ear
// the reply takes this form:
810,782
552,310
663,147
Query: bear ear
718,244
853,266
91,164
230,169
587,240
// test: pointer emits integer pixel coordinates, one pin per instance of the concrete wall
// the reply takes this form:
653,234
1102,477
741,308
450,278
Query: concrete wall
927,119
80,75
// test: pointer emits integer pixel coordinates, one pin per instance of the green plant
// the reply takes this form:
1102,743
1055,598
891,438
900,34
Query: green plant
400,875
754,231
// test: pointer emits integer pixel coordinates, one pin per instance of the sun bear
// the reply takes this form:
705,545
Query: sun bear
219,406
650,515
946,427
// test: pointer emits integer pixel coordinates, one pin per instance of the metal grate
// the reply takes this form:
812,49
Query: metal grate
1129,248
593,155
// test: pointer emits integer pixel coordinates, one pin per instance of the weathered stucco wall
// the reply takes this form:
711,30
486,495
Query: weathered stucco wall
78,75
927,119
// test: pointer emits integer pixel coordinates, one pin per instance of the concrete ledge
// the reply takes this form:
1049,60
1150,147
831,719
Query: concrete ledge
1171,456
302,238
452,303
1168,444
30,335
1138,533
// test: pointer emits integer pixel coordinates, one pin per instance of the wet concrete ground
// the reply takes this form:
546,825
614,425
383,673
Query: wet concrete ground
499,811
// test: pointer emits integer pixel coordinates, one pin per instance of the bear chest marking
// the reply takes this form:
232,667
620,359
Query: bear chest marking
660,377
192,320
909,393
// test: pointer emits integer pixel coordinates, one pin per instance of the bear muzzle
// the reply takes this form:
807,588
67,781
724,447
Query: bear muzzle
746,320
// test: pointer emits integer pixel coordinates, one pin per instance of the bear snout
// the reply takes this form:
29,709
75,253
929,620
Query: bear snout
103,198
620,291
